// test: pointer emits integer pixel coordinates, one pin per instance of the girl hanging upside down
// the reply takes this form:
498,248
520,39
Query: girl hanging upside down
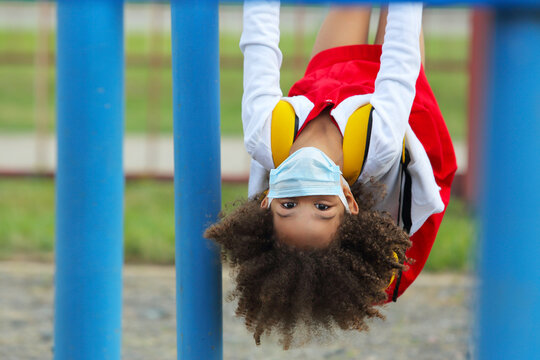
350,173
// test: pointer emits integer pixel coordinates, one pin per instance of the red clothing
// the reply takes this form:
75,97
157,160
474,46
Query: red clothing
335,74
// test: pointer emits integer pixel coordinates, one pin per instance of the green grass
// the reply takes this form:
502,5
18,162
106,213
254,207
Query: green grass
17,83
450,91
454,247
27,223
446,48
27,219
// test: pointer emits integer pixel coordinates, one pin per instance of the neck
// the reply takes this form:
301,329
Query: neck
323,134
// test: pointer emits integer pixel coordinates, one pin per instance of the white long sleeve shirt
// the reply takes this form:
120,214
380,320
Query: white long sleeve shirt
392,101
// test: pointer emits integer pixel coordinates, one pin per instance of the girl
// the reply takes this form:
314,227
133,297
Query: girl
350,176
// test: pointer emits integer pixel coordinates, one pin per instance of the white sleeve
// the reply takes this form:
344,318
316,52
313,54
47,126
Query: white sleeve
258,179
394,86
262,61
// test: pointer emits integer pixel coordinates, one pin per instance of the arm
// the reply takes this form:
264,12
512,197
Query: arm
262,61
395,84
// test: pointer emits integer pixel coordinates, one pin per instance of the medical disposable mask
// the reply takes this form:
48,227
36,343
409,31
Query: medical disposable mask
308,171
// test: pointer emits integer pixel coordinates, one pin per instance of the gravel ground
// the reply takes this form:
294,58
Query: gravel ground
432,320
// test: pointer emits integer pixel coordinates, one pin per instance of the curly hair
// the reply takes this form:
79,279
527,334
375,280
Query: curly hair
284,289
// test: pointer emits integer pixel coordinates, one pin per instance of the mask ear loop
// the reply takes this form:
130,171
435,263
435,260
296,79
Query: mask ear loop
342,195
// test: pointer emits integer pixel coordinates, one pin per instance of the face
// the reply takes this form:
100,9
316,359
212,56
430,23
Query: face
309,221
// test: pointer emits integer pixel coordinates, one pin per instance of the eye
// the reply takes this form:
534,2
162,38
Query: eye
322,207
288,204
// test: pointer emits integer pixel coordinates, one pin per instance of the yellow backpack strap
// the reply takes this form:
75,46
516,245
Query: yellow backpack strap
403,152
356,142
283,130
393,272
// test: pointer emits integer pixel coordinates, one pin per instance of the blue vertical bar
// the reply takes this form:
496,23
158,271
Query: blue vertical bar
89,182
195,61
509,306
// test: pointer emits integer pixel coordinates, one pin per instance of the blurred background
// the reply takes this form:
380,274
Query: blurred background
27,123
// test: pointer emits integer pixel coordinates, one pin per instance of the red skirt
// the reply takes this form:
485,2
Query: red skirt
335,74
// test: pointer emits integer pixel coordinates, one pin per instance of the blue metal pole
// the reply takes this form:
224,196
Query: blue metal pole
89,182
195,62
509,306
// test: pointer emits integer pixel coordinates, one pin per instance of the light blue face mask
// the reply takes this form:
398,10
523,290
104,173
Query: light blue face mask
306,172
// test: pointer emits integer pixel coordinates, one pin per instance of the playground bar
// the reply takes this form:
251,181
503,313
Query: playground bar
509,306
195,63
89,182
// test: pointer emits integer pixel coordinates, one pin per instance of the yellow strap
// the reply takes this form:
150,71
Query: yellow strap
356,142
282,131
394,272
403,152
